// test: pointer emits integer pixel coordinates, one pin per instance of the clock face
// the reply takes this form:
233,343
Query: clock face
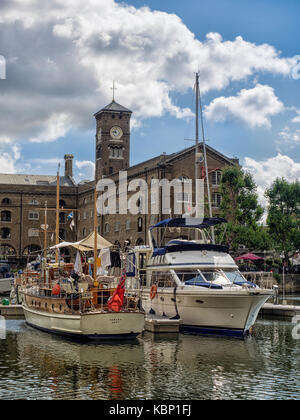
116,132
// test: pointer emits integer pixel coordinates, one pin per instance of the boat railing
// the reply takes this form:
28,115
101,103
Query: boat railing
263,279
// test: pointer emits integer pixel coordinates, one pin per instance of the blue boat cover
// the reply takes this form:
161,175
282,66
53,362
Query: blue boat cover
190,222
192,282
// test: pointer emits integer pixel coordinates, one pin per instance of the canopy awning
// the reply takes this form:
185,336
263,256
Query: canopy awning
249,257
190,222
86,244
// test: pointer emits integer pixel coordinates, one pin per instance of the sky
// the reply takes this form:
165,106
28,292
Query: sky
58,60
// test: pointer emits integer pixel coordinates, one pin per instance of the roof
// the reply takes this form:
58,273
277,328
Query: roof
113,106
39,180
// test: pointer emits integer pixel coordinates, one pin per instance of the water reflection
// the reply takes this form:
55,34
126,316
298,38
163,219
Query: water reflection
36,365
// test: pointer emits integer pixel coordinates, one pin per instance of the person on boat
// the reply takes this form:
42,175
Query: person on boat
55,290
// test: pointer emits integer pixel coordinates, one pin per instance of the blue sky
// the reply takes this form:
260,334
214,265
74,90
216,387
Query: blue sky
60,70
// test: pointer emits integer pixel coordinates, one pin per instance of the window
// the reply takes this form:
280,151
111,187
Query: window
106,228
62,234
5,216
33,215
6,201
116,152
117,227
62,217
33,233
62,203
84,232
216,200
127,224
152,219
216,177
34,202
5,233
140,224
84,215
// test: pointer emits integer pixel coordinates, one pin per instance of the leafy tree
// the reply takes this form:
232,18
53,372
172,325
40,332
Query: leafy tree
241,209
284,215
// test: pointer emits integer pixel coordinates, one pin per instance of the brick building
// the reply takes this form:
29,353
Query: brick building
23,197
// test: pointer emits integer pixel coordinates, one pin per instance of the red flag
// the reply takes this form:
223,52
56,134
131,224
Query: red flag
115,303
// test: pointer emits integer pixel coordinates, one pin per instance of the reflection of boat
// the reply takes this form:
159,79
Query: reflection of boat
198,282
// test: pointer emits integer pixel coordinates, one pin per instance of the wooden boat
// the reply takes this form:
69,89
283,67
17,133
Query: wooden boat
78,307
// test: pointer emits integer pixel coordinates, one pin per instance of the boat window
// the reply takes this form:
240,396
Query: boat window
235,276
163,279
193,275
215,276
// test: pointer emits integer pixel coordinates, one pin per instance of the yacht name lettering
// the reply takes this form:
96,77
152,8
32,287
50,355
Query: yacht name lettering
119,409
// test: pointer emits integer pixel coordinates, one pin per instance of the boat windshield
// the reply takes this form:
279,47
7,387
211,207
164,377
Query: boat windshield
197,276
235,276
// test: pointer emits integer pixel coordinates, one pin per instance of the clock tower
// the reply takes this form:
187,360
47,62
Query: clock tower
112,139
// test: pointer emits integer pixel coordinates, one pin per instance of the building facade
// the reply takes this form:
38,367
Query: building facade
23,198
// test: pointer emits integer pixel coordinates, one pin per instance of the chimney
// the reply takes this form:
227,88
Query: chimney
69,165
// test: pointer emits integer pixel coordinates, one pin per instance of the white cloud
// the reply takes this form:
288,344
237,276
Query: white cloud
297,118
266,171
288,136
253,107
9,160
56,126
66,55
86,170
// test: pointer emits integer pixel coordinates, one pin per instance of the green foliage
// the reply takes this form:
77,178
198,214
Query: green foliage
284,215
240,207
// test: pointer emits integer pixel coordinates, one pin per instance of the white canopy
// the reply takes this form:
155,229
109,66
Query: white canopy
86,244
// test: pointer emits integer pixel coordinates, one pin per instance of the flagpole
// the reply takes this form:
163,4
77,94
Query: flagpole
95,235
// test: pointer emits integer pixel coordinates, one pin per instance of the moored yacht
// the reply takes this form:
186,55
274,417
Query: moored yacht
197,281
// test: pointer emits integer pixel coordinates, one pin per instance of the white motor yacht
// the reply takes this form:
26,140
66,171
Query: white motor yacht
197,281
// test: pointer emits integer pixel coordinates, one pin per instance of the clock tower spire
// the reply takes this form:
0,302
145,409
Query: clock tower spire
112,138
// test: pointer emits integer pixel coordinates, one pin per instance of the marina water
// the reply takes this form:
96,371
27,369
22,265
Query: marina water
37,365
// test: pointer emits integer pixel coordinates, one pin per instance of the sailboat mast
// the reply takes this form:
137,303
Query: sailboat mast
45,242
57,215
204,154
95,235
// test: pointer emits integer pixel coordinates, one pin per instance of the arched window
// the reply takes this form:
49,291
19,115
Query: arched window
6,201
32,249
5,216
106,228
7,251
5,233
84,232
139,242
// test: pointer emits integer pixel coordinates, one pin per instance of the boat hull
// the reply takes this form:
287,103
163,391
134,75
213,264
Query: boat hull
90,326
213,312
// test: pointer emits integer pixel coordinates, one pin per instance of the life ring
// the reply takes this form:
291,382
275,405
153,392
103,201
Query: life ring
153,291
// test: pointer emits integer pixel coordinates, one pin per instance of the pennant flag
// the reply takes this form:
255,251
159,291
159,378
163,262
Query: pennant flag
70,216
115,303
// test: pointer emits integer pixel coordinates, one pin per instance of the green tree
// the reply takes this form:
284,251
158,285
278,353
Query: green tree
284,216
241,209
